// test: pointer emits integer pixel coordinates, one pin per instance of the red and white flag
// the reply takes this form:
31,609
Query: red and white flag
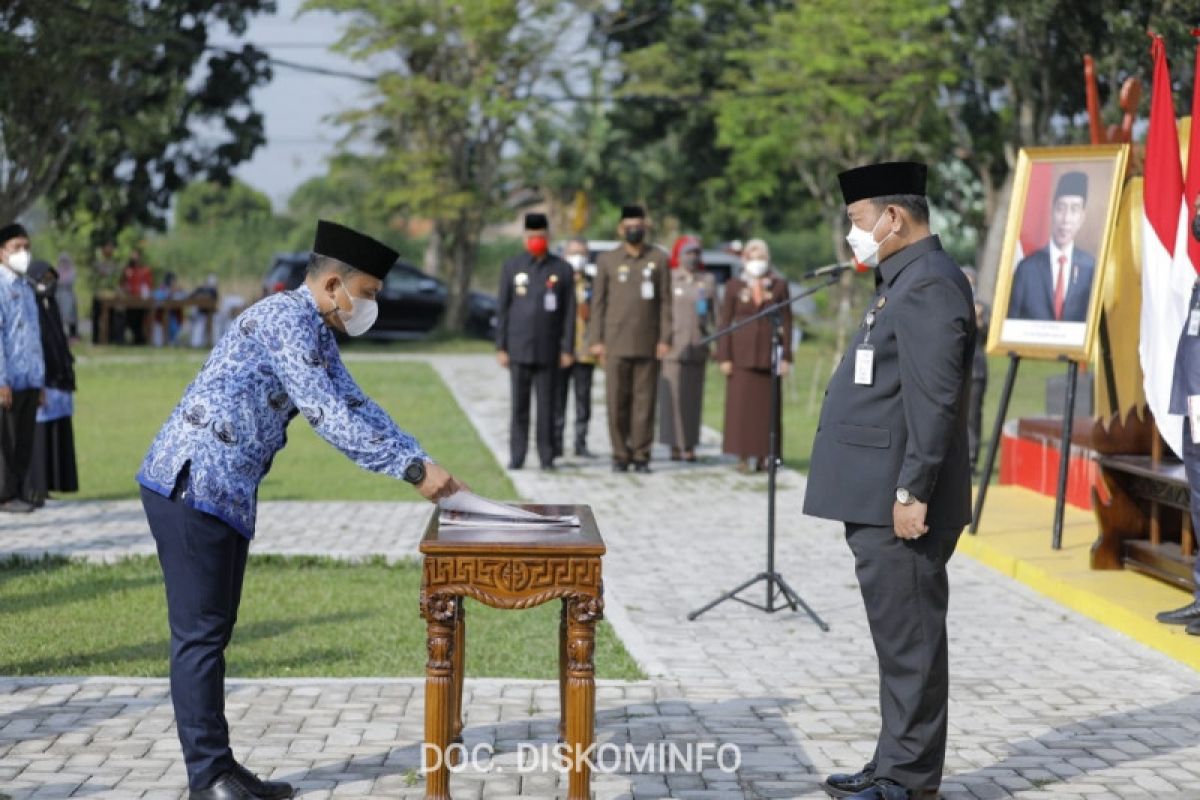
1166,279
1191,184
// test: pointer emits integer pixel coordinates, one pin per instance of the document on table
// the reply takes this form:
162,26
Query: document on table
465,509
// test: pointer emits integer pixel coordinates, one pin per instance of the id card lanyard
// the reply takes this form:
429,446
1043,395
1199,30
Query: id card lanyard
864,355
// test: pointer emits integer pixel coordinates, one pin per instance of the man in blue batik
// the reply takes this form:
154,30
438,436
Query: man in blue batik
200,479
22,369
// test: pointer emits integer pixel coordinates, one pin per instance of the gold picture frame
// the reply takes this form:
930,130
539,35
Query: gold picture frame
1056,246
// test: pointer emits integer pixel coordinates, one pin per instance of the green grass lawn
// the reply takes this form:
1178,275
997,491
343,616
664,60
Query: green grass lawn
804,390
299,617
125,395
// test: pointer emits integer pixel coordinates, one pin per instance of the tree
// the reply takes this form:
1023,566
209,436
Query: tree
462,77
348,192
817,110
101,117
562,152
673,55
206,204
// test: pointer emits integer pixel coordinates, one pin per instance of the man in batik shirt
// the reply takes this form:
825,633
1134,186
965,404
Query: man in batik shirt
200,479
22,369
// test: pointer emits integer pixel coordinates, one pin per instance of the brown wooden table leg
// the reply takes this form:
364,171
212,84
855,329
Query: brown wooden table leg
562,671
460,659
580,710
102,322
440,617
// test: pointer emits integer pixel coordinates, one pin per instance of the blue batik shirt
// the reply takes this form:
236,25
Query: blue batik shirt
21,363
278,359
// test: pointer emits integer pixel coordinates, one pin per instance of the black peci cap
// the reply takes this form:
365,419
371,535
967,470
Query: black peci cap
1072,183
880,180
12,231
354,249
536,222
633,212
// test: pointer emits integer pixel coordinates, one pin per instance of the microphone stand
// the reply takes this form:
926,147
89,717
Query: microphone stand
776,585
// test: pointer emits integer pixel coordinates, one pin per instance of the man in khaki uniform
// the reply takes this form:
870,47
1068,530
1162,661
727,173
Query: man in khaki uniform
578,376
630,333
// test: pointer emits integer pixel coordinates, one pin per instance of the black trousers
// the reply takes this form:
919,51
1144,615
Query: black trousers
577,377
906,593
1191,465
539,379
203,561
17,428
135,321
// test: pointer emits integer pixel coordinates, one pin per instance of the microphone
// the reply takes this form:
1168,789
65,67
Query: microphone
836,268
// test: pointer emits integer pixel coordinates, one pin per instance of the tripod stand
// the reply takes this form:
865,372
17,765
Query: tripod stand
775,584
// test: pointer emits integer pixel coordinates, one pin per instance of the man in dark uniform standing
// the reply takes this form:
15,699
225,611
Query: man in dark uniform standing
535,337
890,461
631,333
1185,400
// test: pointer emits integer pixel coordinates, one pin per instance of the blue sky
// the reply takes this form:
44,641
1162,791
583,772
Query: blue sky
296,105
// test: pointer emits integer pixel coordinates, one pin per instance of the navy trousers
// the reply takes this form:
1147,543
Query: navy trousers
203,561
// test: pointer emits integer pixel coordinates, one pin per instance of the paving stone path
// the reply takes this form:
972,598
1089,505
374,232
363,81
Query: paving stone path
1045,704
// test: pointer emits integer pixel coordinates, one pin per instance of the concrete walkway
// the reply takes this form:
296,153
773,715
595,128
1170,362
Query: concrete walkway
1045,704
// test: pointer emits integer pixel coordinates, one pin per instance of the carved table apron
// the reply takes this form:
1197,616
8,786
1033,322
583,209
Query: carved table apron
511,569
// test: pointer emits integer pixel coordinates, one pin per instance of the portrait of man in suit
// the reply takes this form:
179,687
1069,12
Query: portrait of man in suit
1054,283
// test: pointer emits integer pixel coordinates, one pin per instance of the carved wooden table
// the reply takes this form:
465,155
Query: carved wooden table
511,569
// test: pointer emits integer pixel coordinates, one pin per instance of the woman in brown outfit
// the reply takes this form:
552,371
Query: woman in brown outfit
745,356
681,384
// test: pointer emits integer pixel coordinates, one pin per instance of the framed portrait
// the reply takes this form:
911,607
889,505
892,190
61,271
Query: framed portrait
1060,226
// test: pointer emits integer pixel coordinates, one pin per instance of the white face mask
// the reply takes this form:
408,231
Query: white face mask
863,245
18,262
577,261
757,267
361,316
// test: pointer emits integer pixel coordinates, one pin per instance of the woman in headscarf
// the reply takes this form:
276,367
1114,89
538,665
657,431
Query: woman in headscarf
681,384
745,356
53,467
65,294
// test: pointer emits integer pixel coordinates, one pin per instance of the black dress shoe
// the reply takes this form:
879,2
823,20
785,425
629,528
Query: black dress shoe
582,451
273,789
239,784
1181,616
620,466
845,784
642,467
515,464
883,789
549,467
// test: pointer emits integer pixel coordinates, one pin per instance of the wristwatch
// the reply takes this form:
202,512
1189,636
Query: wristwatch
904,497
414,473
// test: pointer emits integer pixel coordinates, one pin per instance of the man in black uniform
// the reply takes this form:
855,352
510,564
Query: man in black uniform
535,337
1185,400
890,461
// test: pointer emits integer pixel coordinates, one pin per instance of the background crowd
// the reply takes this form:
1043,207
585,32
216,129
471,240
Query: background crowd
644,315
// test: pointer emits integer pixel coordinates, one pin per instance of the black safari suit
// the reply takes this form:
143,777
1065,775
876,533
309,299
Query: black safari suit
907,429
534,338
